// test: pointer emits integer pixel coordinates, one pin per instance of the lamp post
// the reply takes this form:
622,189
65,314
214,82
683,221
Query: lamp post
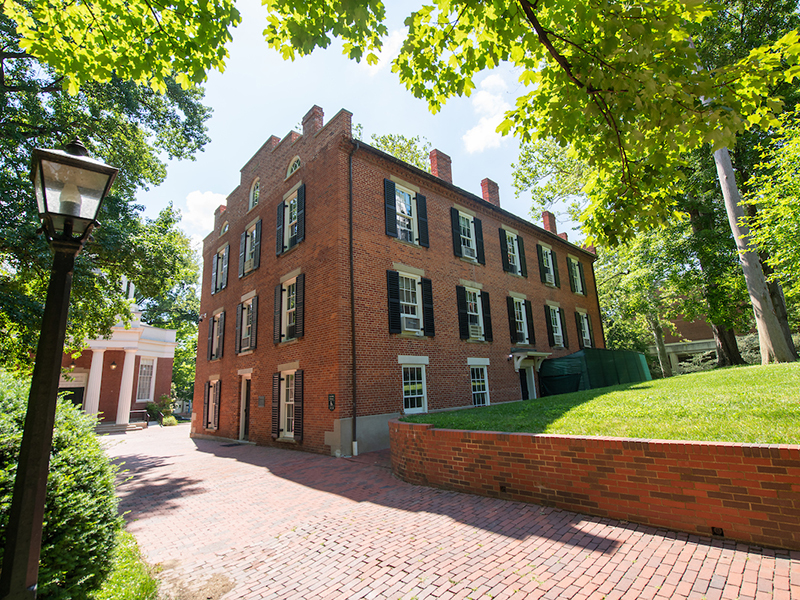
70,188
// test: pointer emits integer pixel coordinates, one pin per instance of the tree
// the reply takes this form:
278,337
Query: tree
128,126
415,151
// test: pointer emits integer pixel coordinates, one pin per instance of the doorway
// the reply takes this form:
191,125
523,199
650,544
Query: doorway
527,383
244,422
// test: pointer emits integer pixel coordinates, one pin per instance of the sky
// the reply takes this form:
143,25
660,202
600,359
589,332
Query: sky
260,95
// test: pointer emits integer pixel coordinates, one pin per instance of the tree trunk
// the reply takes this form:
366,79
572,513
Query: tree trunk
661,349
727,349
771,338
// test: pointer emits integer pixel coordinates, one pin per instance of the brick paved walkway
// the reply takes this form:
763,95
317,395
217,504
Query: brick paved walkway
239,521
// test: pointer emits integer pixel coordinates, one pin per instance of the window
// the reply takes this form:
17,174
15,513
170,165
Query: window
548,265
250,249
219,270
406,214
556,326
584,324
414,392
144,389
410,304
287,405
520,320
224,229
255,191
216,336
467,236
289,309
291,221
246,322
211,396
293,166
577,282
474,314
480,387
512,252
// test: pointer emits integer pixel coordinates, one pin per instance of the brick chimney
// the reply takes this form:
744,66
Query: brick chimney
440,166
312,122
272,142
563,236
491,191
590,248
549,220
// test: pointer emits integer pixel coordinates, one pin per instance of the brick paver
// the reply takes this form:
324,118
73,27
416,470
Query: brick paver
256,522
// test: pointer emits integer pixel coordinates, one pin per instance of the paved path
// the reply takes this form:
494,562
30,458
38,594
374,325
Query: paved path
240,521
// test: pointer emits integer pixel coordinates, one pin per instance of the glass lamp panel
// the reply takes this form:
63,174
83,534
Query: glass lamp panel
72,191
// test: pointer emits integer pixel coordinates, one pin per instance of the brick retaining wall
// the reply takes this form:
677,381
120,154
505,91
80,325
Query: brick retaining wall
750,492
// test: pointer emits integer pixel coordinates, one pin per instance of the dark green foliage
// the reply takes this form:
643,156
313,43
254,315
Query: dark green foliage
81,520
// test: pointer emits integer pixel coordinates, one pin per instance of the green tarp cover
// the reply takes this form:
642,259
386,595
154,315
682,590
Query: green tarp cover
592,368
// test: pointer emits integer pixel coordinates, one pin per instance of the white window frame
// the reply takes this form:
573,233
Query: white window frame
575,274
151,362
402,194
547,261
224,229
294,165
218,279
466,230
512,251
585,332
286,402
422,399
255,193
246,326
520,318
479,384
250,248
555,324
410,301
474,319
212,408
290,204
289,308
215,339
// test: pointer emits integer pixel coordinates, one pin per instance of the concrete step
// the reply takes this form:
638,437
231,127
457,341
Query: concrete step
105,428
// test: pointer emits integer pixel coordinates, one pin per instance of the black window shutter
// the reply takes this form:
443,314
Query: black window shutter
428,327
242,243
554,260
277,315
221,334
456,231
238,339
276,404
529,318
217,390
579,328
504,250
214,264
257,245
390,207
550,339
206,394
301,213
393,294
512,318
563,327
299,305
211,338
583,279
487,317
225,258
571,275
279,228
478,226
591,332
523,264
298,405
540,253
254,309
422,221
463,317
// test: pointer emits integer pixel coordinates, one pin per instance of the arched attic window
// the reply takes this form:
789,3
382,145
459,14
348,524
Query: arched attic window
293,166
255,190
224,229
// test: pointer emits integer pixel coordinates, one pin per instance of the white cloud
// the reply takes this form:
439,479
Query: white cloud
198,218
391,48
490,105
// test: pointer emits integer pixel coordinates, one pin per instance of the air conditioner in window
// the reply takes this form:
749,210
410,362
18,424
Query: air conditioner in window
411,324
405,235
248,264
521,337
513,269
475,331
467,252
550,278
245,344
558,339
587,342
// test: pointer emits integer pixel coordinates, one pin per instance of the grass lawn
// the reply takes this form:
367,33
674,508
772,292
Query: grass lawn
752,404
130,578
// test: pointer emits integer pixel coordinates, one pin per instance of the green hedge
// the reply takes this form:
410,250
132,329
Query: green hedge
81,520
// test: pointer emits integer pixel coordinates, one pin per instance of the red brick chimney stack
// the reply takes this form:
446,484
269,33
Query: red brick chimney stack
549,221
563,236
313,121
491,191
590,248
440,166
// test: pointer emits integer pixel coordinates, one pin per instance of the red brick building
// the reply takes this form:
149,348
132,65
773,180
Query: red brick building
340,280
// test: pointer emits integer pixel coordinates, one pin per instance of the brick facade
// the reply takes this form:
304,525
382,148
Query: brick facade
333,170
743,492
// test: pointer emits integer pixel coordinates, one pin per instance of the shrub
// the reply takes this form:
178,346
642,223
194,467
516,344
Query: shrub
169,421
80,519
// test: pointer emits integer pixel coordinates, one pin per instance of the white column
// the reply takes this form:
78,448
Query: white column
95,381
126,388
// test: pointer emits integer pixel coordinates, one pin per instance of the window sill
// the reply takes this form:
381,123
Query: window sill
288,342
476,341
289,250
246,273
286,440
411,336
406,243
471,261
252,208
517,275
245,352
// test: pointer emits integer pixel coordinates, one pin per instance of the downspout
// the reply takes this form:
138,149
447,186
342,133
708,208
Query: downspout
353,378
